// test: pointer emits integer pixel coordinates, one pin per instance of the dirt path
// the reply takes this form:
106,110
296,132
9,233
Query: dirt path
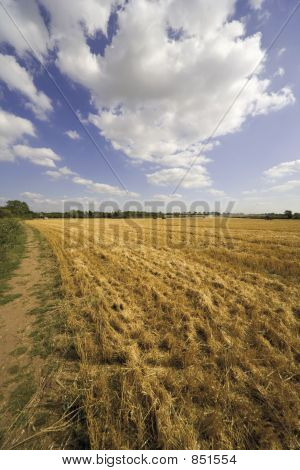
38,361
16,323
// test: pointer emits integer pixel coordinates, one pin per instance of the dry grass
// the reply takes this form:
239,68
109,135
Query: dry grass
188,334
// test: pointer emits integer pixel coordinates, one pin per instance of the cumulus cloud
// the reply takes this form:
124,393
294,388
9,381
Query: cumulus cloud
287,186
42,156
197,178
181,68
171,93
283,169
66,171
12,129
273,101
72,21
89,184
102,188
63,172
73,135
18,78
27,16
274,173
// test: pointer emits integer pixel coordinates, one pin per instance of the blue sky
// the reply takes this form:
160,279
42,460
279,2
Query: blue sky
149,81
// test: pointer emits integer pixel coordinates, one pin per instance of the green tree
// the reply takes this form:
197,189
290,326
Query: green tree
18,208
288,214
5,212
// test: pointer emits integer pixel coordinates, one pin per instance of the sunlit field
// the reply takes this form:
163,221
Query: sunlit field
187,330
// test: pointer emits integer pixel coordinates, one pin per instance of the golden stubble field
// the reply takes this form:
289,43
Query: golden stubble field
187,330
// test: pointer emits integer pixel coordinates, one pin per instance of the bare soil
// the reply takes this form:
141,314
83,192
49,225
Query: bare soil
16,324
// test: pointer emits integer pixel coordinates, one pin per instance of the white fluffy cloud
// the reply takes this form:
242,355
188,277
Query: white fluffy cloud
284,187
172,92
73,135
283,169
168,76
90,185
181,69
102,188
72,21
42,156
12,129
27,17
275,173
18,78
63,172
197,178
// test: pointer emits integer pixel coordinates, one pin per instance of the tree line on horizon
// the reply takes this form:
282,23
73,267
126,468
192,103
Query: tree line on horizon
20,209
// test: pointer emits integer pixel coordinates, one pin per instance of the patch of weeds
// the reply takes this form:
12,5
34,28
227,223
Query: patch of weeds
19,351
51,340
48,321
48,324
42,345
2,435
12,249
40,310
9,298
41,419
21,395
13,370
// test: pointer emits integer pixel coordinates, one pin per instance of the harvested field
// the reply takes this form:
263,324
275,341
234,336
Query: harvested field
187,330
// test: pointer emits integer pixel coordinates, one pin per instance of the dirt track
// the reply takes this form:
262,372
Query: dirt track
16,323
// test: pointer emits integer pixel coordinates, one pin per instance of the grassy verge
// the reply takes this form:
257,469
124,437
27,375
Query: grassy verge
12,246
